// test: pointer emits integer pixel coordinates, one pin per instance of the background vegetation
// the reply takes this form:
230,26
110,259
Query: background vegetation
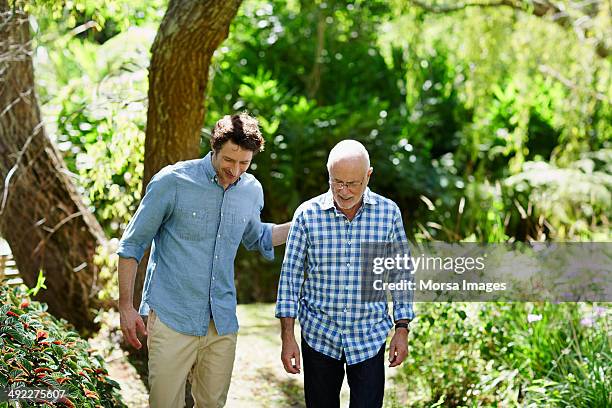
487,124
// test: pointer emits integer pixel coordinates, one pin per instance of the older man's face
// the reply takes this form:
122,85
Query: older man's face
348,180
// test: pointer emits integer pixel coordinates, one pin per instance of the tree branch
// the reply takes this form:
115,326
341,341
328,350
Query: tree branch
447,8
538,8
545,69
55,229
314,79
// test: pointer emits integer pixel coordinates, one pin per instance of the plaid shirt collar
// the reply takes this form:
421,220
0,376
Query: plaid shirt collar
327,201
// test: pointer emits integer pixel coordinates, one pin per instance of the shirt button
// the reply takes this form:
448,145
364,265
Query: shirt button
213,278
216,257
348,264
194,214
218,235
349,242
222,214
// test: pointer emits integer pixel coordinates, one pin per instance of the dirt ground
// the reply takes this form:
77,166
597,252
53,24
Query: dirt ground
258,380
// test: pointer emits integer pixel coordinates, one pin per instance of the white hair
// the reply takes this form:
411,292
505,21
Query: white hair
348,149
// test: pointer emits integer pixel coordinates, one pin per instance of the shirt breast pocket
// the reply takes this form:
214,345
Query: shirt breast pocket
236,227
191,224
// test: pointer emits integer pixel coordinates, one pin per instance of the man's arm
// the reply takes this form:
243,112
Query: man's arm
280,233
289,285
260,235
398,347
402,302
131,322
290,353
156,206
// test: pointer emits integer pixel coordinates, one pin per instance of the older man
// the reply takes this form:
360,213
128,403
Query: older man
320,284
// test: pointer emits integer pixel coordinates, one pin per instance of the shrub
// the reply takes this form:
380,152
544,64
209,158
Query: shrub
39,350
509,354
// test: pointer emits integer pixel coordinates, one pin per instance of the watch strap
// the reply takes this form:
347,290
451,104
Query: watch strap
401,325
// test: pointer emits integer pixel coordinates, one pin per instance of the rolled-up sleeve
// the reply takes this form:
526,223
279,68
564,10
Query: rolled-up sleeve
258,235
402,301
154,209
292,271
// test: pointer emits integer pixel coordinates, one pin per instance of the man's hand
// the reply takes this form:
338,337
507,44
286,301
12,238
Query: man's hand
131,324
398,348
280,233
291,351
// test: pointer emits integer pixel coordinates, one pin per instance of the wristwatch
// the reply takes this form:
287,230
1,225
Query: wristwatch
402,325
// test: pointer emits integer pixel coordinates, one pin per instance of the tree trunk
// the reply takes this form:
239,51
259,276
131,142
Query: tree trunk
188,36
41,214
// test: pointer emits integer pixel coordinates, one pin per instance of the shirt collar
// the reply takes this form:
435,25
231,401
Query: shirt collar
209,169
328,199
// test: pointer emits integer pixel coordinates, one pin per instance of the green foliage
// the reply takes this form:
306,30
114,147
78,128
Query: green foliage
447,116
451,107
463,114
100,118
40,284
513,354
106,259
94,21
568,203
40,351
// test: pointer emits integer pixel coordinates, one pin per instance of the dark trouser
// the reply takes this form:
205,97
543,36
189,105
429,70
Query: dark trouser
323,378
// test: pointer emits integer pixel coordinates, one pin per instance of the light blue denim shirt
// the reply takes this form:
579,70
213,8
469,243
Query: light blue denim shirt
195,226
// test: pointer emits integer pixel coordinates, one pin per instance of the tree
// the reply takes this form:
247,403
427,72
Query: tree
42,215
182,51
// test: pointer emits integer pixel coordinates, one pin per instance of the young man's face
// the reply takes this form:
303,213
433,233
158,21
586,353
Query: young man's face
230,162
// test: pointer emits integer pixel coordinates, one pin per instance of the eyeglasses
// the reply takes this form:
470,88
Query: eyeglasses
351,185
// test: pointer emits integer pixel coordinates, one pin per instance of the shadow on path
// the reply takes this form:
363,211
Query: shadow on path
291,390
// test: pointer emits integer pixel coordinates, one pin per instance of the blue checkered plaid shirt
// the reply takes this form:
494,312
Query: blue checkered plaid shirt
320,279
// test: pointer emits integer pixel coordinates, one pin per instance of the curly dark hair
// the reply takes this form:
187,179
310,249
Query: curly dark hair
241,129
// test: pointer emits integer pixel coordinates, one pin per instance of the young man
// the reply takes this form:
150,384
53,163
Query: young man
195,213
320,284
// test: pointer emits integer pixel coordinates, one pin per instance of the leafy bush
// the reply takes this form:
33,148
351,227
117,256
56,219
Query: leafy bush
527,354
40,351
541,202
568,203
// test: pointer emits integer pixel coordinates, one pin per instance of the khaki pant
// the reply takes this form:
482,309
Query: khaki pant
173,355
